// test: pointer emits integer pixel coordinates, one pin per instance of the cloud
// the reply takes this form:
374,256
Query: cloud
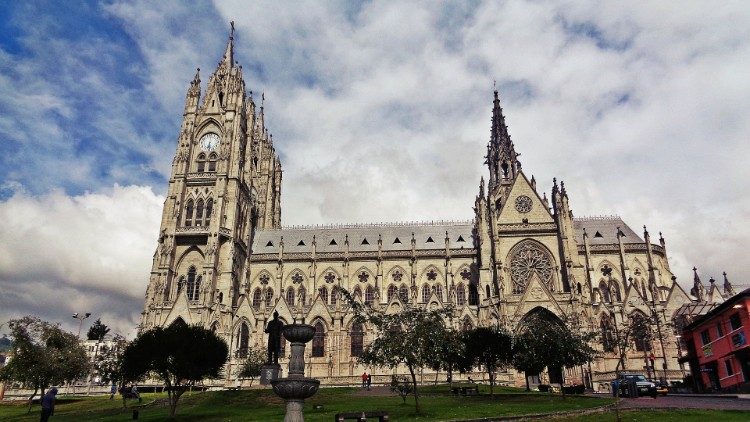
86,253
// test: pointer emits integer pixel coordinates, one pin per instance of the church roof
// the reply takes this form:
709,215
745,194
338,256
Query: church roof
364,237
603,230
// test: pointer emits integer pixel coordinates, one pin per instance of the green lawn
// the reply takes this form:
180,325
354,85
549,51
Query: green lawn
263,405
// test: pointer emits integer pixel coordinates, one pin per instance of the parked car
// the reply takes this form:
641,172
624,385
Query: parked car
644,386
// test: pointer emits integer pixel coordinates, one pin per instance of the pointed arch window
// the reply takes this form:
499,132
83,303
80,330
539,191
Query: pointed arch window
193,285
334,294
201,162
269,297
323,292
392,292
487,291
604,291
199,213
357,335
467,325
425,293
614,291
189,213
257,298
212,161
439,291
244,340
209,211
403,293
290,296
608,335
319,341
302,295
369,295
473,295
460,295
357,293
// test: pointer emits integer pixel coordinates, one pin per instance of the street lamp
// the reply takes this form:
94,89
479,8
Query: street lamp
80,318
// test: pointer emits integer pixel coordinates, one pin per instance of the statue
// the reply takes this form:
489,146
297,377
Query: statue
273,330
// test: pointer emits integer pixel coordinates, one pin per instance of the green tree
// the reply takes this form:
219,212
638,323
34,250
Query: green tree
410,337
108,363
547,342
43,355
180,355
97,331
490,348
451,355
256,358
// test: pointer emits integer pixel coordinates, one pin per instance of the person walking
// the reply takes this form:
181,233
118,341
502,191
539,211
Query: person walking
364,379
112,391
48,404
369,381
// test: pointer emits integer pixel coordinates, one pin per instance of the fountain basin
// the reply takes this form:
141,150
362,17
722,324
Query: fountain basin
299,333
296,388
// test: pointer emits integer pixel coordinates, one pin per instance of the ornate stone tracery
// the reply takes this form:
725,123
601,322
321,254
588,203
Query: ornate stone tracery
530,257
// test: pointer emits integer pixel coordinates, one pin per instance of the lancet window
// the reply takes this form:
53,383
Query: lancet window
357,335
319,340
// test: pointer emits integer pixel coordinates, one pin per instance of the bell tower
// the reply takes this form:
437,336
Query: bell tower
225,183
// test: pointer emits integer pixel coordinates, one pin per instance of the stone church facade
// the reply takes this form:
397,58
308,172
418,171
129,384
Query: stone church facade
224,261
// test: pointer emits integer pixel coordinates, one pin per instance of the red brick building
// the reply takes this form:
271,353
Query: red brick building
718,347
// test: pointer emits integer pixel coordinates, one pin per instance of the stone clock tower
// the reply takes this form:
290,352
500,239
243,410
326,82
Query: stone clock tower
225,184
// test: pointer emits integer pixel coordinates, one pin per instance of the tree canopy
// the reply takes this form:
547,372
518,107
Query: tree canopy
251,368
490,348
108,362
97,331
180,355
44,355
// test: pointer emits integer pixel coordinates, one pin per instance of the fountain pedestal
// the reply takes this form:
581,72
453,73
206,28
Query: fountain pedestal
296,388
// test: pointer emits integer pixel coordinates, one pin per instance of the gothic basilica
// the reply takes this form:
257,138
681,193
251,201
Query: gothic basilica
224,261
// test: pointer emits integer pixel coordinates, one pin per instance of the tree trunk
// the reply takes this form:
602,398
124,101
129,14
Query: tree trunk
31,399
492,381
416,393
562,381
525,375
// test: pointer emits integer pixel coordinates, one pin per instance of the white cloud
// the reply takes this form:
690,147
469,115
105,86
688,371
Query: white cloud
87,253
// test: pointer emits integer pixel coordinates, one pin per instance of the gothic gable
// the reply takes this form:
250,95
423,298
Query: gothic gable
523,205
536,295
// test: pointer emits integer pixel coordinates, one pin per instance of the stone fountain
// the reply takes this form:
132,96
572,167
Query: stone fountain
296,388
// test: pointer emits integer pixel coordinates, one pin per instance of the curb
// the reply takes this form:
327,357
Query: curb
532,416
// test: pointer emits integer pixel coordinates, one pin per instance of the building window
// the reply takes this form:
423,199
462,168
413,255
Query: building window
212,162
735,322
209,210
189,213
425,293
201,162
323,294
473,295
334,294
705,337
608,335
244,339
460,295
604,290
529,257
199,213
403,293
319,341
269,296
357,335
290,296
719,330
257,296
369,295
439,291
728,365
392,292
467,325
193,285
357,295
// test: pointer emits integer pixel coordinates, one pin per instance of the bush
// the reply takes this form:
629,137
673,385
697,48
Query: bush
401,385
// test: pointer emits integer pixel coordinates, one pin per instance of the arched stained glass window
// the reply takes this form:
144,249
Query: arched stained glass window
319,341
323,292
357,335
199,213
243,342
212,161
403,293
460,295
257,298
473,295
439,291
189,213
392,292
425,293
193,285
269,297
369,295
290,296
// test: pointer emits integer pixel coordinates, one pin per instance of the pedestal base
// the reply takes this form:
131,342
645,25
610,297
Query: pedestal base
294,411
269,373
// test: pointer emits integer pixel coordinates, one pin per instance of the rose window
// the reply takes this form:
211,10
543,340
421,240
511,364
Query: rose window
330,277
397,276
264,279
529,258
523,204
297,278
465,274
431,275
363,276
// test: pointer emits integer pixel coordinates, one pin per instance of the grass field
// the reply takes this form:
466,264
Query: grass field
262,405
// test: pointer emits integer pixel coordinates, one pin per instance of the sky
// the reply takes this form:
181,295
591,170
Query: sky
380,111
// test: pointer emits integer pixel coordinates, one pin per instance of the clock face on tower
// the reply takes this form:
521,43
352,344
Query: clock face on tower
209,141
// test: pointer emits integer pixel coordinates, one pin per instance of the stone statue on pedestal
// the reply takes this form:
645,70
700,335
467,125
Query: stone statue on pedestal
273,329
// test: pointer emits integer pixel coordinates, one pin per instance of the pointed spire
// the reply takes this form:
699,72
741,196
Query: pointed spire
228,59
481,187
728,288
502,159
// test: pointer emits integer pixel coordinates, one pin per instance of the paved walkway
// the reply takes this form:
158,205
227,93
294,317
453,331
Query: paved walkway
685,402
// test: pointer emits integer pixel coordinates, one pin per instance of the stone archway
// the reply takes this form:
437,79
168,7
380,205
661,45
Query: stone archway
555,374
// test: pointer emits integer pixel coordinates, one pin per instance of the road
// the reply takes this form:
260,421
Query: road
685,402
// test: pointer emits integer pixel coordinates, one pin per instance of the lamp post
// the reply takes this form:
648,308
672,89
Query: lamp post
80,318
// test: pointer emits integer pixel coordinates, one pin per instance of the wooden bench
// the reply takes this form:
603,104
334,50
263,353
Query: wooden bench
466,391
362,416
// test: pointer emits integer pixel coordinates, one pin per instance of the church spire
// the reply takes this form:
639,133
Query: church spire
728,289
502,158
228,60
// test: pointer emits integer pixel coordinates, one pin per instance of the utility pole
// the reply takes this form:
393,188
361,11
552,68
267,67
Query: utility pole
80,319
